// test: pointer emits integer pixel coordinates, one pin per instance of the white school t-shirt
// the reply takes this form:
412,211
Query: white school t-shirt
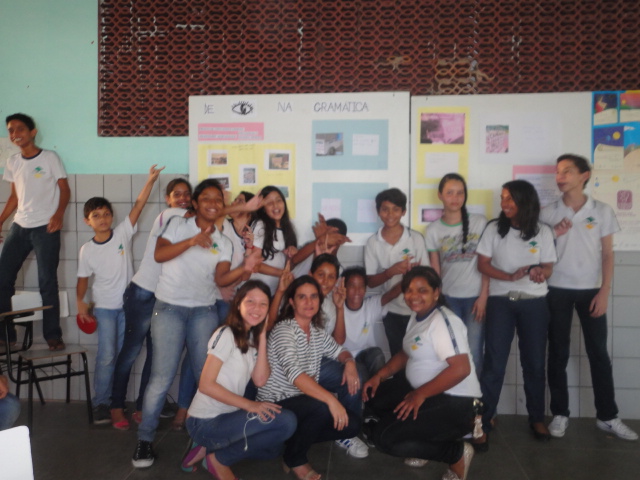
188,279
459,270
234,374
580,249
430,342
329,313
279,259
149,271
36,183
512,252
111,264
380,255
360,323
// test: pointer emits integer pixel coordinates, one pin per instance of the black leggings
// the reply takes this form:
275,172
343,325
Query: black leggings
435,435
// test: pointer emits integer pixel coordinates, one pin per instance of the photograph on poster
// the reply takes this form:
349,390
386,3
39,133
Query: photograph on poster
284,189
605,108
497,139
217,158
430,213
248,175
445,128
329,144
630,106
276,160
223,180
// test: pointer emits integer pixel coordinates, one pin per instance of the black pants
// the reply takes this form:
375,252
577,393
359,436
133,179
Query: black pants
435,435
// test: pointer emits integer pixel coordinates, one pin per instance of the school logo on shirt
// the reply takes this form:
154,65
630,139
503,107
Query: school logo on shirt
38,172
214,248
590,222
406,253
365,328
417,343
533,247
121,250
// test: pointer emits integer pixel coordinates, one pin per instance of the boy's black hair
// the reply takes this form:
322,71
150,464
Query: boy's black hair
339,224
325,258
24,118
203,185
581,163
354,272
393,195
95,203
177,181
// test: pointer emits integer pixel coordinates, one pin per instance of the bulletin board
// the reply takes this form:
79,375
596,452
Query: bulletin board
329,153
490,140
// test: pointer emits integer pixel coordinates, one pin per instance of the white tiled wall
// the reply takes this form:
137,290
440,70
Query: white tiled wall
121,190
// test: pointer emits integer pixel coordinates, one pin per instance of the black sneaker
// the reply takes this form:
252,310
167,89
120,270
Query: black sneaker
101,415
168,410
143,456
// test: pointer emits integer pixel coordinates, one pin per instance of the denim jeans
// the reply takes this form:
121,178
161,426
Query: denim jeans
138,307
188,384
530,318
331,379
562,301
9,411
236,436
315,425
463,308
369,361
173,326
435,435
110,338
395,326
18,244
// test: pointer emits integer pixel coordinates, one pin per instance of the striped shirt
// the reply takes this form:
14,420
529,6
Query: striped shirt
290,354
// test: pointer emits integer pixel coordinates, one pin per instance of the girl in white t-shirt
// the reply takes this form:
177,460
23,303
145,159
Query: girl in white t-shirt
274,234
225,426
425,413
517,252
451,243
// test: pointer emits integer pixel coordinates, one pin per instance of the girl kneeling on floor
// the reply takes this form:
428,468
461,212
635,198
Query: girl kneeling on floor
225,426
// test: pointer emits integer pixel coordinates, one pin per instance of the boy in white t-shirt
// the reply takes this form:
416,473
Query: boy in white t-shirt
108,258
40,192
389,254
581,280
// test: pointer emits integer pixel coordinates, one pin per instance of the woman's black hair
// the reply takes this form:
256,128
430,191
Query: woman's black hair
526,199
463,209
270,229
325,258
235,321
286,311
430,275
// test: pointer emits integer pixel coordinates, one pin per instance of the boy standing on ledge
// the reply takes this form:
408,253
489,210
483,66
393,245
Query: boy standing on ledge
40,192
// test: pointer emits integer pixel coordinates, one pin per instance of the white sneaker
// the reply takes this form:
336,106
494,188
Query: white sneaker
618,428
415,462
354,447
558,426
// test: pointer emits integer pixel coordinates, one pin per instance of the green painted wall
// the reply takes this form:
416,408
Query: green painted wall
49,70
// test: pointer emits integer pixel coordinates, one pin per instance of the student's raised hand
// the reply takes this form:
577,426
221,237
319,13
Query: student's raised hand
254,204
252,261
320,228
247,237
290,251
339,294
562,227
335,240
410,405
154,172
322,245
203,239
286,277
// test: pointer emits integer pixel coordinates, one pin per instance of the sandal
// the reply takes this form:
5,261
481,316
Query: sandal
190,461
208,464
56,344
118,420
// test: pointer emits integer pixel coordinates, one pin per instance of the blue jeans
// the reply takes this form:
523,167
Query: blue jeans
138,307
18,244
110,338
9,411
395,326
463,307
331,378
530,318
369,361
562,301
173,326
234,437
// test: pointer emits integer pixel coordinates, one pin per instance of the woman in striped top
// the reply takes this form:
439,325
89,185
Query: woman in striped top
296,346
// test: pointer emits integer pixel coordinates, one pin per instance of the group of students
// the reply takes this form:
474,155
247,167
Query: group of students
280,344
